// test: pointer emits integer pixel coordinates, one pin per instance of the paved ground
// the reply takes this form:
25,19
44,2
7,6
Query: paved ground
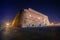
39,33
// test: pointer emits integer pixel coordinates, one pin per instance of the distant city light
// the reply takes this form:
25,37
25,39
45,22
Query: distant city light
52,23
7,24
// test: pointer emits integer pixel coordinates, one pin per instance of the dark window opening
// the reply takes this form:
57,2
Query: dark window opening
32,24
39,24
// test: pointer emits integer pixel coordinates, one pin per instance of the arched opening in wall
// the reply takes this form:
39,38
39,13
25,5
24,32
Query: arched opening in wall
32,25
29,25
39,24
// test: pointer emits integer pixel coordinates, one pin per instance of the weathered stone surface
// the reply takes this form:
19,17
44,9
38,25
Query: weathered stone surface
31,18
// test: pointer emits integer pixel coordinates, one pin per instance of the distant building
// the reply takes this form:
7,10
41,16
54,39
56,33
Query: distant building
30,18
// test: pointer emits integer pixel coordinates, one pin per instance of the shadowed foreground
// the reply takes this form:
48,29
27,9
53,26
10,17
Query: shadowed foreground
36,33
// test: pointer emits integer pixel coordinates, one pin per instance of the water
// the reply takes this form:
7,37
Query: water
32,33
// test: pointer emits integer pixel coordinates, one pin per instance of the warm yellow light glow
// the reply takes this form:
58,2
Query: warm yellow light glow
30,15
52,23
38,17
7,24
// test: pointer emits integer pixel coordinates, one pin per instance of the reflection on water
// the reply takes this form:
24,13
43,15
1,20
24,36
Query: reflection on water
32,33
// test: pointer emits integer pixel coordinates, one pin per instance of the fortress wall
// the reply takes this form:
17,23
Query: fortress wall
30,17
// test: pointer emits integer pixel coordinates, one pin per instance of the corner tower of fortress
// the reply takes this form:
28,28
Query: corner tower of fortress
30,18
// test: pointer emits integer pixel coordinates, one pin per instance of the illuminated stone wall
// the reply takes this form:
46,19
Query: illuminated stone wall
32,18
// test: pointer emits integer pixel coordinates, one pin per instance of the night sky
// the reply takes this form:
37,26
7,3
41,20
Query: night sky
9,8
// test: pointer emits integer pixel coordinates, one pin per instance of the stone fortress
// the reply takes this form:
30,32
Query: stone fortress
30,18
